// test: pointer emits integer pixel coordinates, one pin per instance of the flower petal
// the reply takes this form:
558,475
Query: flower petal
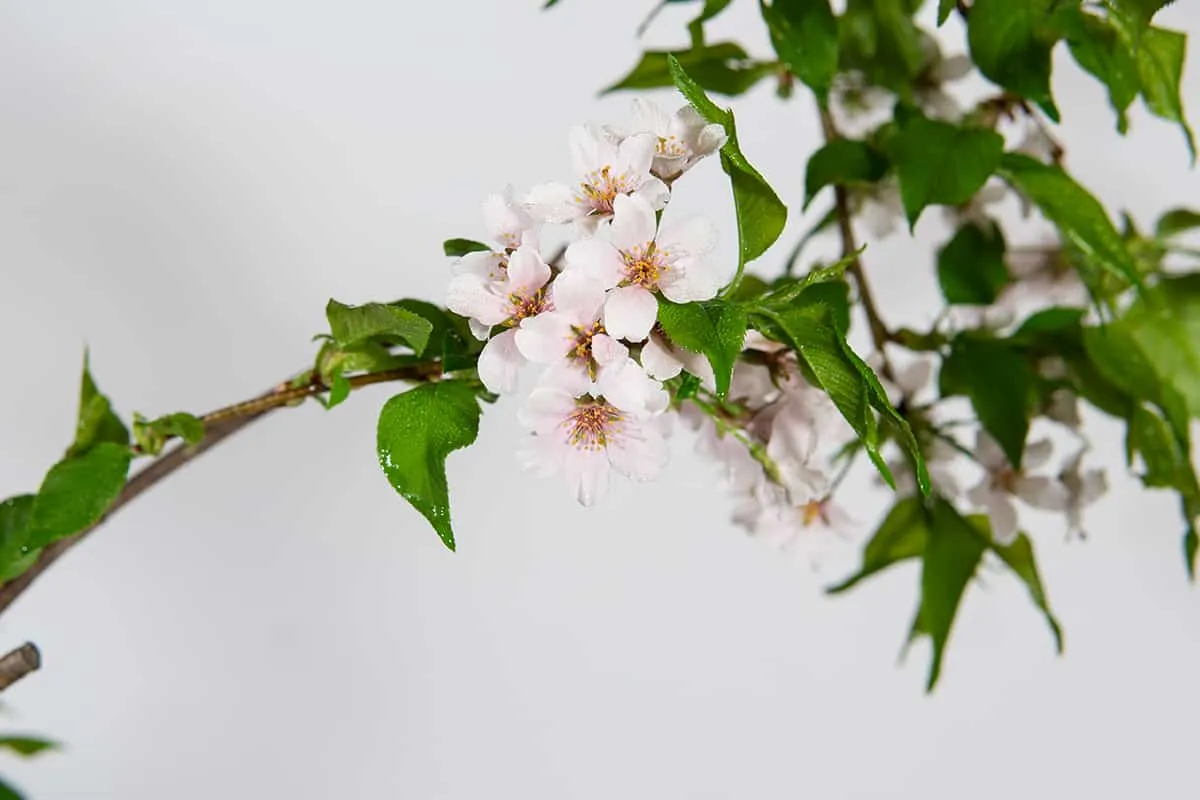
485,264
471,296
545,338
988,453
587,471
607,350
627,387
591,150
629,313
633,225
552,202
654,192
689,280
500,363
649,117
1003,516
637,451
694,236
596,258
1037,454
527,273
578,296
658,361
546,409
1041,492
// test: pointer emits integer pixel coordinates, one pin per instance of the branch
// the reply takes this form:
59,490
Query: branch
19,663
218,426
879,332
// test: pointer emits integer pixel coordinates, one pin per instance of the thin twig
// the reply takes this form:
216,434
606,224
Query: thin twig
18,663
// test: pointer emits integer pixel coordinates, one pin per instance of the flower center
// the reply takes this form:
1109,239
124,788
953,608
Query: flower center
644,266
527,305
811,511
670,147
591,423
600,188
581,348
1005,479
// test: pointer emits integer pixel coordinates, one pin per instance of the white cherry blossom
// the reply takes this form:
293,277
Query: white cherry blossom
683,138
641,260
1082,488
1002,484
607,169
664,361
879,207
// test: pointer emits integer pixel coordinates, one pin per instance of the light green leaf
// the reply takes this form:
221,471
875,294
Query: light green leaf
1160,57
1103,51
1018,556
456,248
937,162
1121,361
760,213
15,555
723,68
971,266
96,421
805,36
27,745
842,162
1137,12
339,390
902,536
945,9
1167,465
999,381
417,430
1010,42
1079,216
353,325
77,491
1176,221
1165,323
151,436
715,328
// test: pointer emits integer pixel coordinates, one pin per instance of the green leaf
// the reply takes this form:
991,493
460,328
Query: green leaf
945,9
417,430
999,382
842,162
760,213
689,385
787,290
1077,214
7,792
1056,319
353,325
450,339
1160,57
715,328
723,68
1137,12
1018,556
805,36
456,248
1167,465
902,536
151,436
937,162
15,555
952,555
971,267
1010,42
339,390
1176,221
1120,360
1191,546
96,421
1165,323
77,491
27,745
1103,51
879,39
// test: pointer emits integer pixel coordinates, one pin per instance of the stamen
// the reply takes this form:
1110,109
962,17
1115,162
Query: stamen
591,424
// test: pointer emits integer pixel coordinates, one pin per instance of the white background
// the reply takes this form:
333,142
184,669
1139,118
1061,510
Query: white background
183,185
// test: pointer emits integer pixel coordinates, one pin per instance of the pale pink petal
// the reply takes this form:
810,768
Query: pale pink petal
649,117
551,202
479,330
546,409
485,264
637,451
500,363
471,296
694,236
527,273
597,259
577,296
587,471
543,455
545,338
629,313
591,149
607,350
654,192
635,154
658,361
633,224
689,280
506,221
627,387
570,377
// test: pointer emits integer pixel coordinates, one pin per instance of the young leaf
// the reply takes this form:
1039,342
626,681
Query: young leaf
805,36
937,162
456,248
723,68
151,436
841,162
760,213
903,535
998,380
417,430
952,555
15,555
715,328
1160,56
96,421
353,325
339,390
77,491
971,266
1176,221
1078,215
1010,42
1102,50
1018,556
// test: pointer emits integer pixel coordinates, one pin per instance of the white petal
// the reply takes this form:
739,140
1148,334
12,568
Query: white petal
689,280
471,296
658,361
506,221
578,296
648,117
1041,492
596,258
694,236
570,377
954,68
591,149
500,363
527,273
552,202
980,495
547,408
633,225
988,453
1003,516
587,471
607,350
1037,454
629,313
654,192
485,264
635,154
545,338
627,387
710,139
637,451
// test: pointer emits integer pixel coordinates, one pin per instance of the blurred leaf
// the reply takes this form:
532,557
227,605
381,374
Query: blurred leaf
417,430
805,36
1100,49
1160,56
7,792
941,163
760,213
1165,323
903,535
879,39
353,325
1137,12
1120,360
1176,221
715,328
971,266
723,68
1167,464
456,248
151,436
1010,42
945,9
27,745
15,556
1049,320
842,161
77,491
998,380
1018,556
96,421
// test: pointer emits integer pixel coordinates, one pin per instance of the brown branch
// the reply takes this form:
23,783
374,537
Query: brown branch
19,663
218,426
879,332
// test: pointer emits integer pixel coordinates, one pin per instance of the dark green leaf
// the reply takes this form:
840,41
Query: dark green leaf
1191,546
1100,49
15,555
971,267
1137,12
723,68
805,36
1160,57
7,792
689,385
450,339
937,162
1175,222
1079,216
456,248
27,745
1049,321
945,9
901,536
417,430
999,382
841,162
77,491
1019,558
760,213
151,436
715,328
96,422
1010,42
353,325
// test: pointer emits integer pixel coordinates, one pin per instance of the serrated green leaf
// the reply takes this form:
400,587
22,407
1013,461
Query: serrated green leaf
15,555
1176,221
1103,51
96,421
1010,42
1018,556
450,338
760,213
971,266
937,162
352,325
77,491
417,430
805,36
456,248
842,162
945,9
724,68
715,328
27,745
1160,56
999,381
902,536
787,290
1079,216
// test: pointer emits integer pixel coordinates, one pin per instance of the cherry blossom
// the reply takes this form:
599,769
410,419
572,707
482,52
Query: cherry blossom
1082,489
1002,484
683,138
